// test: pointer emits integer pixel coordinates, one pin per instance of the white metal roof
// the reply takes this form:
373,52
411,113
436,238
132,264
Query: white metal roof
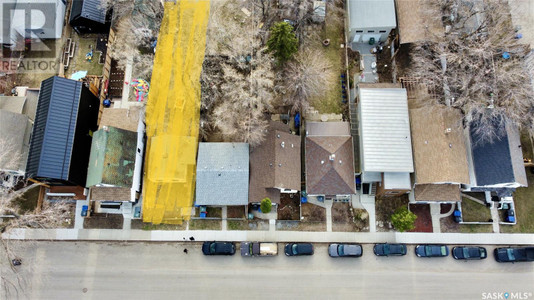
397,181
386,144
371,13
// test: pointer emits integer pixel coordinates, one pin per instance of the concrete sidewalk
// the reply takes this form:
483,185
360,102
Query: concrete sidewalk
274,236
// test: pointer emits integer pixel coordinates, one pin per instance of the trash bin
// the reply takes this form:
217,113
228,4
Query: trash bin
372,41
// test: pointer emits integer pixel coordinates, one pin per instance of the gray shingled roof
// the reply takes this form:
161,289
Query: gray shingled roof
90,9
222,174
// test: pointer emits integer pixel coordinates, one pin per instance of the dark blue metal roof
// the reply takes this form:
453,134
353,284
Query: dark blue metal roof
88,9
492,161
54,128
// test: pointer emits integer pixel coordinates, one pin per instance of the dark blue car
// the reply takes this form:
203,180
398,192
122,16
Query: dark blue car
297,249
389,249
218,248
432,250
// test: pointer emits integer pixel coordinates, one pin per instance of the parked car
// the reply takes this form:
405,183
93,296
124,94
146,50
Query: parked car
469,253
258,249
297,249
389,249
514,254
218,248
431,250
345,250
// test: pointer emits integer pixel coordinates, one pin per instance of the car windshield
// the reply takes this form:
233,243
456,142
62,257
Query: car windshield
443,250
510,253
386,248
428,250
294,249
466,253
482,253
340,250
212,248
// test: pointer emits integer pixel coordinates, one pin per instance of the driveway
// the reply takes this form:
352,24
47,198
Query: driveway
80,270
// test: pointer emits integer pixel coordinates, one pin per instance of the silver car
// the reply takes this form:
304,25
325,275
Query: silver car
345,250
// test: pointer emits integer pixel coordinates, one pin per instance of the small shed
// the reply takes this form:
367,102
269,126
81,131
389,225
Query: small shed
66,118
88,16
370,19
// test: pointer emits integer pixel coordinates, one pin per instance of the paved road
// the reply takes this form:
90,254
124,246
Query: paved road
62,270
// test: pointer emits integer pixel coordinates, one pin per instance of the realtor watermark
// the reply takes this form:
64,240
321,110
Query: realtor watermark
26,26
507,295
28,65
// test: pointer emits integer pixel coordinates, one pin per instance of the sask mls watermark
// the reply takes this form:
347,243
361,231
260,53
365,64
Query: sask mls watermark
26,25
507,295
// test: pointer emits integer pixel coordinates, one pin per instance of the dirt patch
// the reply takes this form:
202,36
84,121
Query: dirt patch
386,206
313,213
403,60
289,208
247,225
423,223
383,65
235,212
103,221
344,218
139,224
445,208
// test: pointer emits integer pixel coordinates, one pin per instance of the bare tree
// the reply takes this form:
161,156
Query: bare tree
308,76
469,67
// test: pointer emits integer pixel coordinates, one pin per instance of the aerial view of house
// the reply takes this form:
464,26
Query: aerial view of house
348,148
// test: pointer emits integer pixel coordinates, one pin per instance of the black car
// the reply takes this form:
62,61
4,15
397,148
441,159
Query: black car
514,254
389,249
469,252
218,248
297,249
431,250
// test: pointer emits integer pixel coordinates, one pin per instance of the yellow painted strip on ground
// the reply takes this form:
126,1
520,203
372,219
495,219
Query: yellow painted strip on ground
173,113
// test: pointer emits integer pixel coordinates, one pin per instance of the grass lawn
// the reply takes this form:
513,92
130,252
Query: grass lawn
524,209
198,224
333,30
28,201
474,212
79,63
526,145
247,225
138,224
469,228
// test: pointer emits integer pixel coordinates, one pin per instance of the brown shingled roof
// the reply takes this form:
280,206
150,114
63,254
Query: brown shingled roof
437,192
127,119
439,156
273,166
326,174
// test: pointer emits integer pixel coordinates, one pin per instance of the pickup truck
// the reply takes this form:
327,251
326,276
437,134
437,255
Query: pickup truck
514,254
258,249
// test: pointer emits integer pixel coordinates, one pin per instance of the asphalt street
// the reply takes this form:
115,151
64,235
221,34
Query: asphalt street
82,270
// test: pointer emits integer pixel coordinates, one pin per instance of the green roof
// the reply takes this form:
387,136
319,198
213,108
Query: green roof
112,157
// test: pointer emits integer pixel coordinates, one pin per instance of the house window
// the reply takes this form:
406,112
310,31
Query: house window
359,31
370,31
382,31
